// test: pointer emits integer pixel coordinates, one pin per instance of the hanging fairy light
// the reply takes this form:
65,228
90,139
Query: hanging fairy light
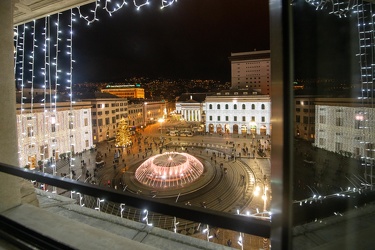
146,217
45,131
118,6
21,79
86,18
138,4
70,90
166,3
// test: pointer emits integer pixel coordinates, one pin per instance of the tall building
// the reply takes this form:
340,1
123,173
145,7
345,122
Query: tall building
125,91
251,70
107,110
135,114
46,134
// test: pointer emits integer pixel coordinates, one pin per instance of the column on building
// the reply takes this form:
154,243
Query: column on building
10,195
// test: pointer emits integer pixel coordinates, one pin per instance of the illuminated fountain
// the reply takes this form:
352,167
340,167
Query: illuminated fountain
171,169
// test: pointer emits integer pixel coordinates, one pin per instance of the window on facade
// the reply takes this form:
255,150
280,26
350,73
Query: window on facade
263,119
244,118
243,106
339,121
263,106
210,117
298,118
357,124
226,118
218,118
100,113
53,127
210,106
252,106
226,106
253,118
93,113
235,118
338,146
94,123
322,141
113,119
86,122
306,120
30,131
70,125
322,119
107,112
107,105
106,121
235,106
100,122
218,106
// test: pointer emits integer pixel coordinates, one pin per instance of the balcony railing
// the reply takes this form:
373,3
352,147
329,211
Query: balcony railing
244,224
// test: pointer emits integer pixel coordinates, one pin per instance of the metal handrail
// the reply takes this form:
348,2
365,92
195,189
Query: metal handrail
239,223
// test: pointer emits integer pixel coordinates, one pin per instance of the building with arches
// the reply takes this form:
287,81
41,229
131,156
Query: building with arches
238,112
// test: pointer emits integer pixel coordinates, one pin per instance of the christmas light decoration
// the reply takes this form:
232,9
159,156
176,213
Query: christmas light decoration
70,91
107,3
123,134
146,217
338,7
240,241
175,224
207,232
118,6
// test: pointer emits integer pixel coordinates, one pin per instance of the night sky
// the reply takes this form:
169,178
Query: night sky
191,39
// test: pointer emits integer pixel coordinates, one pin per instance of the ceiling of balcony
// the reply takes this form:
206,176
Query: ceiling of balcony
28,10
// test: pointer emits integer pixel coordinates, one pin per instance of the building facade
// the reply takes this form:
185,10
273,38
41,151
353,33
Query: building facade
106,110
46,133
251,70
125,91
135,115
191,107
153,111
339,127
304,117
238,112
